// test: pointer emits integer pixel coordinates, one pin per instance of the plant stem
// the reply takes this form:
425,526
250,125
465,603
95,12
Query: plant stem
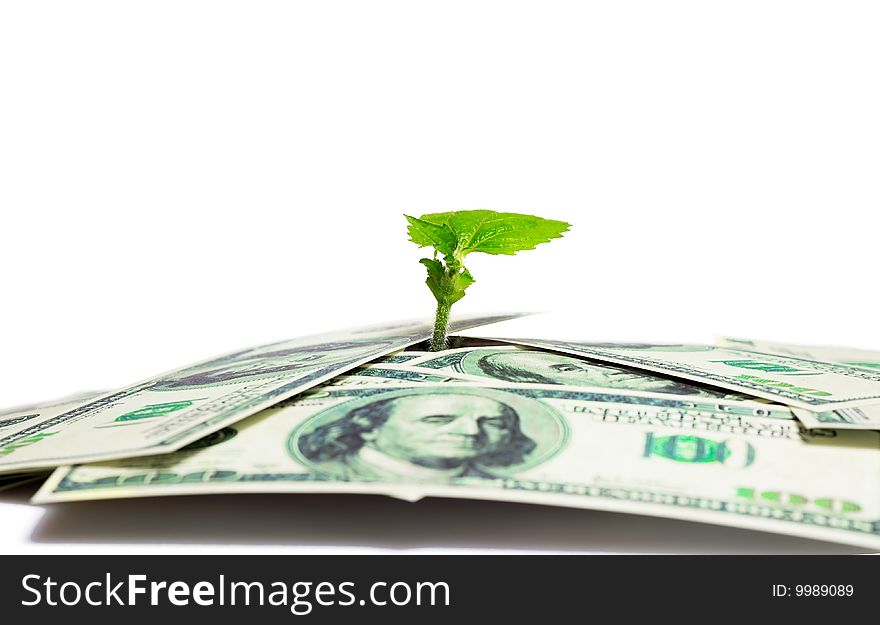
438,340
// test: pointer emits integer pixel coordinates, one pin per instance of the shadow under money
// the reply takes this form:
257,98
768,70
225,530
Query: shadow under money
371,521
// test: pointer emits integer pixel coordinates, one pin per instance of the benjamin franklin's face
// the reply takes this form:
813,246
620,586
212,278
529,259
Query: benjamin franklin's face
443,430
560,369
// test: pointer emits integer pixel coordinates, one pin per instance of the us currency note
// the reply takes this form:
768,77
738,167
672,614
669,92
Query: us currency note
518,365
716,462
864,358
804,383
861,418
174,409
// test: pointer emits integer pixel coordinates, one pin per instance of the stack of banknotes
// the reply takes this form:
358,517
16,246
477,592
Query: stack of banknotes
773,437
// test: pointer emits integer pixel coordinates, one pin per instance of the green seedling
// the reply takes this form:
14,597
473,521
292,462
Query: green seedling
456,234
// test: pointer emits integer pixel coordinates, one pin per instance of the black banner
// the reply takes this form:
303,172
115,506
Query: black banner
277,589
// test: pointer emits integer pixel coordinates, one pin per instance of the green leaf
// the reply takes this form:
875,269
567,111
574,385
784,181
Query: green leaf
491,232
424,233
435,277
447,286
460,282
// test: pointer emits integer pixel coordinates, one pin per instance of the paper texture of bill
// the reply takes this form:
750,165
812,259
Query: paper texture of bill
859,418
169,411
719,461
511,364
815,385
863,358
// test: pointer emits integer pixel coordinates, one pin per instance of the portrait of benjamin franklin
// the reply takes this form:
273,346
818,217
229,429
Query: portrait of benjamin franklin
542,367
432,435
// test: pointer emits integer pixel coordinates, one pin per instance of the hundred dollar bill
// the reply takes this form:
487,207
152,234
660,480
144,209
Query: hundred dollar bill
861,418
522,365
169,411
812,384
864,358
717,462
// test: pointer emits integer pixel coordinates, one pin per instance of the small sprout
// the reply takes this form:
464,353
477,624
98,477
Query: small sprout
456,234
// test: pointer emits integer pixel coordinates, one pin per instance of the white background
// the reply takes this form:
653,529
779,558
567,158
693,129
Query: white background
183,178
